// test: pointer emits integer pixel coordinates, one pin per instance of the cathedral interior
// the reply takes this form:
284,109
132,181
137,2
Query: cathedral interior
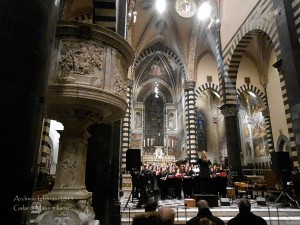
83,81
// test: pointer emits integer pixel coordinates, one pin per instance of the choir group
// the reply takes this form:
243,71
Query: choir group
179,181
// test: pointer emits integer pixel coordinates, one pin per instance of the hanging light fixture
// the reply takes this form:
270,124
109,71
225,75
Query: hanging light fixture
160,5
204,11
156,90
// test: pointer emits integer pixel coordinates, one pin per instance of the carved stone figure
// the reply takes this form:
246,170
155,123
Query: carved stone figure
68,167
171,121
138,120
86,214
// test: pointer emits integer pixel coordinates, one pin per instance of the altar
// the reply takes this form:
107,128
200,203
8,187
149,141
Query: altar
159,156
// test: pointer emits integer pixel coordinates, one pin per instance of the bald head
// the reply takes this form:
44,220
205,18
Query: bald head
244,205
202,204
151,205
166,215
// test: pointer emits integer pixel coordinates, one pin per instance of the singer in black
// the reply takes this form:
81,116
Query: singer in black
204,173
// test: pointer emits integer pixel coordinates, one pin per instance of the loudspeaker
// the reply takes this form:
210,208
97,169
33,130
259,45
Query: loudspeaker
212,200
281,163
261,201
133,159
296,180
225,202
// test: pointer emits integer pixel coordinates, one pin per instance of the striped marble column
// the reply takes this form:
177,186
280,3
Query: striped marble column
125,138
292,138
191,130
45,149
266,114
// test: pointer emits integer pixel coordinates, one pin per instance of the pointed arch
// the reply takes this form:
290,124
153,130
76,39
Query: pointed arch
263,97
166,52
207,86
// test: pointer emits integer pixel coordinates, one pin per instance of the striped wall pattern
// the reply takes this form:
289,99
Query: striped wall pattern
263,97
105,14
126,123
191,130
261,19
45,148
167,52
294,156
221,72
233,66
204,87
296,10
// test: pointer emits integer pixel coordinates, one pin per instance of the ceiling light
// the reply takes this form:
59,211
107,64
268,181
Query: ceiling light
156,89
204,11
252,94
160,5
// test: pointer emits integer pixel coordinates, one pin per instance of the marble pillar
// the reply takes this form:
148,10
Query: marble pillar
69,191
191,137
233,140
71,166
289,65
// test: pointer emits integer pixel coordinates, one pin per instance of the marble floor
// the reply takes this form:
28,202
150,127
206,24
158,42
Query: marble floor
274,214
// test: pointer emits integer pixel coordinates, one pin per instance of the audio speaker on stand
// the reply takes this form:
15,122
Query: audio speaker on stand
281,163
133,159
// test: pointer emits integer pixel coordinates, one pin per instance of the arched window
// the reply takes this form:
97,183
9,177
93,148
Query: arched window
154,122
201,133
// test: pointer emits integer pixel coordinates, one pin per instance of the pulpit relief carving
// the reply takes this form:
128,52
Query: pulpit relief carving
68,167
80,62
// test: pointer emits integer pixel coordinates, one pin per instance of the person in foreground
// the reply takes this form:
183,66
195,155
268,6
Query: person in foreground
245,216
166,216
204,212
150,215
162,216
151,205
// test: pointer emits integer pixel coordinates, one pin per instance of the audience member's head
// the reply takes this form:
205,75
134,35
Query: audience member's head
205,221
151,205
244,206
166,216
202,204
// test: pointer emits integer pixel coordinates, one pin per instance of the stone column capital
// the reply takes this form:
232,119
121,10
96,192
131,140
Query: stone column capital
129,83
188,85
229,110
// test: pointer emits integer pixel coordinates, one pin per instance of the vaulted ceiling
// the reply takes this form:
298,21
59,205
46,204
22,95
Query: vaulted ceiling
186,39
168,41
